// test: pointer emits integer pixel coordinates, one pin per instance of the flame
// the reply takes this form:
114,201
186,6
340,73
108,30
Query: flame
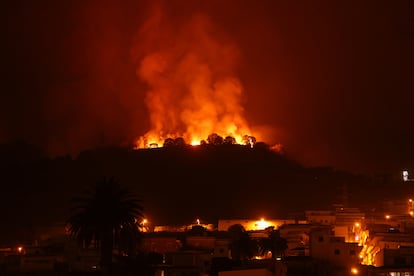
189,67
195,143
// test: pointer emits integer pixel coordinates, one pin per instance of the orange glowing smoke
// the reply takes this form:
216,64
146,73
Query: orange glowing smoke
189,67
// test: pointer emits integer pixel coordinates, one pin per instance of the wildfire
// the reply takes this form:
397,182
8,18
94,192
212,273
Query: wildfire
193,90
154,141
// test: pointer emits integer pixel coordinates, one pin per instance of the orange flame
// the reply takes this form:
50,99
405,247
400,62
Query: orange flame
189,68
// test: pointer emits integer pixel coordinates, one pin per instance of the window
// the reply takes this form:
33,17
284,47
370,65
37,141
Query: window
337,251
399,260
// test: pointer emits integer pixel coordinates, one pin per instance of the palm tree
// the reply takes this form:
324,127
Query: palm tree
102,214
242,247
274,243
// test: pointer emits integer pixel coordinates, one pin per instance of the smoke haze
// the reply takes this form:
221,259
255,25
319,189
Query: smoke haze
330,81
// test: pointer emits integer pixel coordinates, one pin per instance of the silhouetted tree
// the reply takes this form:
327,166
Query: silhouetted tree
169,142
235,230
179,141
215,139
218,140
249,140
128,240
229,140
242,247
211,138
102,214
274,243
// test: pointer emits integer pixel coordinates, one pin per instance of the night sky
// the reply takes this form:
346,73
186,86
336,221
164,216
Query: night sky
333,82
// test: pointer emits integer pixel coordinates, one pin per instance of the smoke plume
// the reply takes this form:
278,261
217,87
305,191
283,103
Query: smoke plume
189,66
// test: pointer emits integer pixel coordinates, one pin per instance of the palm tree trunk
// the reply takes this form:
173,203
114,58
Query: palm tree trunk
106,251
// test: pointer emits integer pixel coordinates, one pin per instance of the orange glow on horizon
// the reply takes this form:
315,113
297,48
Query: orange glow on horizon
262,224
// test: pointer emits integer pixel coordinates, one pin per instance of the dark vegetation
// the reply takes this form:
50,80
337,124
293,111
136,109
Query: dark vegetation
107,215
177,184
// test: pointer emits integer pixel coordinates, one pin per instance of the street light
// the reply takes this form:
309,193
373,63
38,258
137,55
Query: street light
354,270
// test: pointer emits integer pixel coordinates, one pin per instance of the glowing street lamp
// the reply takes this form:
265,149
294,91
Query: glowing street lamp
354,271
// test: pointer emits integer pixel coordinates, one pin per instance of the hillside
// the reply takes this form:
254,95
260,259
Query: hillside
176,184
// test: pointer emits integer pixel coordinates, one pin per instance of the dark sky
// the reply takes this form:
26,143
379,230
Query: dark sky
333,81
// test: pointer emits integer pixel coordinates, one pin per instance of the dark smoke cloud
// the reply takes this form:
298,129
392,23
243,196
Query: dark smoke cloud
331,81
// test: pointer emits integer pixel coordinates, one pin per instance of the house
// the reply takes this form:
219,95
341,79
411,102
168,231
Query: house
328,248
